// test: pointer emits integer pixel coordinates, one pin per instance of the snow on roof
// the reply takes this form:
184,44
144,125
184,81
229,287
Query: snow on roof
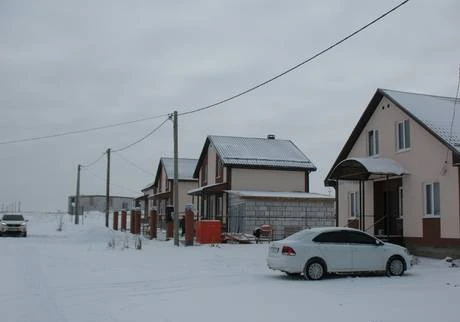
381,165
434,111
186,168
260,152
279,194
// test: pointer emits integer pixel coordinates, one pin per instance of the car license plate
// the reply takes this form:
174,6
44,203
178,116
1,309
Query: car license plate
273,250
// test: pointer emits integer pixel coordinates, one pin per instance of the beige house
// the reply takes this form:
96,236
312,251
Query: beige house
233,171
160,194
398,176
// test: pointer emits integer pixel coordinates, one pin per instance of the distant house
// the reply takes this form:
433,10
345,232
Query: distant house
160,193
98,203
398,177
246,182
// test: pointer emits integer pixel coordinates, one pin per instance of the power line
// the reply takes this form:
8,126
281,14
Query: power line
94,162
455,105
135,165
36,138
113,184
296,66
143,138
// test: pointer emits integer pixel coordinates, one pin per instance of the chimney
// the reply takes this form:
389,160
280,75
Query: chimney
271,136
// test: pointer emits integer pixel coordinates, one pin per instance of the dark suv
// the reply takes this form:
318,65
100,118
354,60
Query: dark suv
13,223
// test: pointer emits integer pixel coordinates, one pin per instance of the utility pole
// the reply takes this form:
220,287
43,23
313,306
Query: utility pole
77,196
176,183
107,195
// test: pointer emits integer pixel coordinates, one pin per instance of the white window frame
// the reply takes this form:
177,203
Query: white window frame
354,204
431,199
406,137
373,143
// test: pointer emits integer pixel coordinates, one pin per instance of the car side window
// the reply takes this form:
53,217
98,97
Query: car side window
356,237
331,237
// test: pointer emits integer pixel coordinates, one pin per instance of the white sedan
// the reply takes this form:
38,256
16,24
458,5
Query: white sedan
318,251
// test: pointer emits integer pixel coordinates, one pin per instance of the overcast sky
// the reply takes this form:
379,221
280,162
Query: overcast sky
72,65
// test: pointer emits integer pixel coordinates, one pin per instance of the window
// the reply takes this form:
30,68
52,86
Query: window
432,200
373,143
354,203
204,172
403,135
219,167
356,237
332,237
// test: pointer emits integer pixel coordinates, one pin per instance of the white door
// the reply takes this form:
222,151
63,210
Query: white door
367,254
335,250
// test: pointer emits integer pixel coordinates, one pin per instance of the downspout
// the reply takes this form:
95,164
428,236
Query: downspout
361,205
336,188
364,206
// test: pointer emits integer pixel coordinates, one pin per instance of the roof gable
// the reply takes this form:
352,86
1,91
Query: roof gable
433,113
256,153
185,169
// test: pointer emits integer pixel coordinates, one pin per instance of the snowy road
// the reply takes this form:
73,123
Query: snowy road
73,276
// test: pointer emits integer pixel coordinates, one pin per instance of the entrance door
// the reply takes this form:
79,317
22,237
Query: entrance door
386,208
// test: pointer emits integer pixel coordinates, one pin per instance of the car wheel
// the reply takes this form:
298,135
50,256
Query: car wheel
395,266
314,270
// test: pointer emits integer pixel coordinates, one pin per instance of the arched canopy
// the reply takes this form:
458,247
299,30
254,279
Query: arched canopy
366,169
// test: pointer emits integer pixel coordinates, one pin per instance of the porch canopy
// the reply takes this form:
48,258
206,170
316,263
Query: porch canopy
210,189
366,169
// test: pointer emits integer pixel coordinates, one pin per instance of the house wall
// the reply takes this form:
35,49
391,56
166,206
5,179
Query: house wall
424,162
184,198
268,180
286,216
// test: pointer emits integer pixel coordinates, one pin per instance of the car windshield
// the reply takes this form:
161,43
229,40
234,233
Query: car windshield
13,217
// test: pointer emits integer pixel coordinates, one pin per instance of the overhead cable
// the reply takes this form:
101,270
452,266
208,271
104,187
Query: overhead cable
296,66
143,138
36,138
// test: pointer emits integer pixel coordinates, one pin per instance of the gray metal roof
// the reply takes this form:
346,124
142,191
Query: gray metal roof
434,111
186,168
260,152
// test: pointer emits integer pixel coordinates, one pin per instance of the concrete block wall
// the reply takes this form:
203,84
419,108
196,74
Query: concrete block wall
285,215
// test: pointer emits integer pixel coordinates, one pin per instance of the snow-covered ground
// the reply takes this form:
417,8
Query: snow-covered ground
73,275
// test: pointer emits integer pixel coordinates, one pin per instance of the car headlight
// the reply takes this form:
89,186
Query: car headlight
23,224
3,223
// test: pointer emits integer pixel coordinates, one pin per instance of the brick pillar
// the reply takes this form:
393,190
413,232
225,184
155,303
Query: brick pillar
137,222
115,220
153,224
169,229
131,221
189,225
123,220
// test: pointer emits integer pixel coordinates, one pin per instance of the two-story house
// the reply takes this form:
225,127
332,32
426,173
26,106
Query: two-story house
398,177
161,192
245,182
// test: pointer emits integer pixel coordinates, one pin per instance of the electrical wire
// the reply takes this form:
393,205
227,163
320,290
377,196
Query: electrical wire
143,138
455,105
36,138
94,162
134,164
296,66
113,184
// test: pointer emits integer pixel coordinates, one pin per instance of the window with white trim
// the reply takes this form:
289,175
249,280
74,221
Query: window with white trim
403,135
432,199
373,143
354,204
